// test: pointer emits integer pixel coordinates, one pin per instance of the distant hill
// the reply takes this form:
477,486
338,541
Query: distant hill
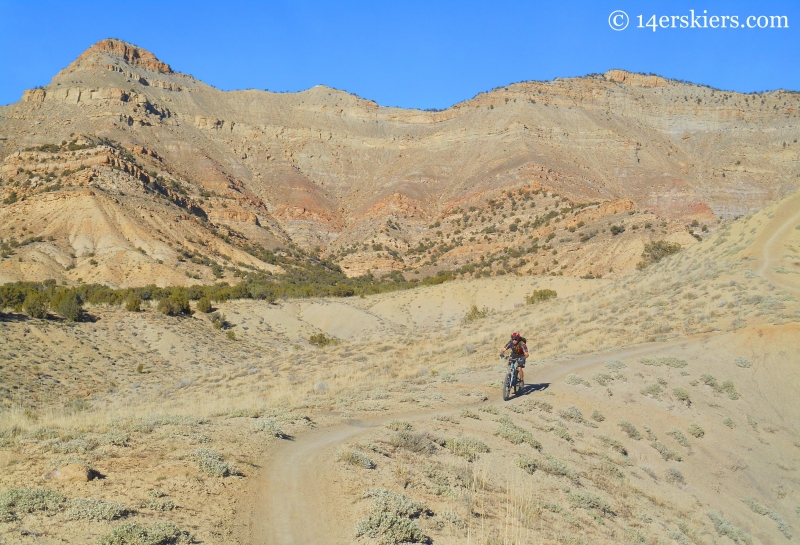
122,171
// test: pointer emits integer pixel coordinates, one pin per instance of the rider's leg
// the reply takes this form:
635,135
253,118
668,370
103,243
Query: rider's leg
522,372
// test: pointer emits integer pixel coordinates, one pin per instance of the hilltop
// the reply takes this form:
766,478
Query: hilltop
124,172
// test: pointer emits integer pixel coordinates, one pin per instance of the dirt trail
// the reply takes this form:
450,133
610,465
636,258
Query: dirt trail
786,217
297,501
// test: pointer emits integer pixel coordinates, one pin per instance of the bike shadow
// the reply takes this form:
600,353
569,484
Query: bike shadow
530,388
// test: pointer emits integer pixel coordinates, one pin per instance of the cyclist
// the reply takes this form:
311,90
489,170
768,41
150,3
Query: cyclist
519,351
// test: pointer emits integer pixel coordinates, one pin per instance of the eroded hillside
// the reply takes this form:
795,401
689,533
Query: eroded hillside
661,406
134,160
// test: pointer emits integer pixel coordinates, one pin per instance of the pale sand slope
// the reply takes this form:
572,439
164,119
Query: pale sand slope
74,392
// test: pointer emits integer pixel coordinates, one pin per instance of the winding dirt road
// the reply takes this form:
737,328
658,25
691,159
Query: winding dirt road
297,502
785,218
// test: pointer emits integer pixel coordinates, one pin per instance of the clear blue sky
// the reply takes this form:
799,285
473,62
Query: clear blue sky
412,54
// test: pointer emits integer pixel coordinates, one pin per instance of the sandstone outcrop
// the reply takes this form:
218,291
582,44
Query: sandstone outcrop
326,169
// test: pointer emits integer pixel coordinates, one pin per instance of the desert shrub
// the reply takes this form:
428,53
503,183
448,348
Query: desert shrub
94,509
270,427
218,320
356,458
696,430
728,422
389,519
211,463
668,361
575,380
630,429
115,437
399,425
516,435
321,340
466,413
17,501
133,303
475,313
597,416
176,304
156,503
67,304
560,431
666,452
649,433
573,414
726,387
724,528
160,533
421,443
591,502
678,436
615,365
656,251
547,464
541,405
491,409
674,475
35,305
649,471
204,305
466,447
539,296
764,510
682,395
652,390
742,362
613,444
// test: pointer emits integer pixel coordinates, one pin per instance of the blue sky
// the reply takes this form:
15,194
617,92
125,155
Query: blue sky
411,54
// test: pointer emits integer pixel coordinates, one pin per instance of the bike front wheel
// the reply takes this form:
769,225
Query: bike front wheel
507,388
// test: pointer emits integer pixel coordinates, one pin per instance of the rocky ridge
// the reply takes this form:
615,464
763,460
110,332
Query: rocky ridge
529,178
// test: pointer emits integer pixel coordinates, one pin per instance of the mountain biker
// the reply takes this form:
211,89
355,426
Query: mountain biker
519,351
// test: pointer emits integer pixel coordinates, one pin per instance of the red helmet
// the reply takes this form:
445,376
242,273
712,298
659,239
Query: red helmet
516,336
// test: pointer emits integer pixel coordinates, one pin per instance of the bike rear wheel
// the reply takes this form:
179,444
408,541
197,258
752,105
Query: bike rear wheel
507,388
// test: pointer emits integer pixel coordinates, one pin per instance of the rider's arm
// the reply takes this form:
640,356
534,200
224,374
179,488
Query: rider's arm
525,349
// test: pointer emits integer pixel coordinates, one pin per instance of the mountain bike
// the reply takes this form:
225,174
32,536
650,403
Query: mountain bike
512,381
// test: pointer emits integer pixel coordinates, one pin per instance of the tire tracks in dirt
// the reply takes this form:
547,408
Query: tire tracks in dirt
295,501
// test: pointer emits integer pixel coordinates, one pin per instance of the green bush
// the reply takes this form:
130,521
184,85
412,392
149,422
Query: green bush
539,296
630,430
67,304
389,519
591,502
399,425
204,305
682,395
16,501
656,251
36,304
678,436
160,533
549,464
176,304
133,303
356,458
696,430
94,509
421,443
210,462
475,313
320,340
466,447
516,435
